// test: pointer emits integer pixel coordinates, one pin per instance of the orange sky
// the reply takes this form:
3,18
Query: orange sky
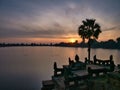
46,21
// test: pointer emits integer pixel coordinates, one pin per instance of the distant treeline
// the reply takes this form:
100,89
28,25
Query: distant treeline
110,44
22,44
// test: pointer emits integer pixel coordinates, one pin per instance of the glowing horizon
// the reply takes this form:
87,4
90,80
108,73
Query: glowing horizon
56,21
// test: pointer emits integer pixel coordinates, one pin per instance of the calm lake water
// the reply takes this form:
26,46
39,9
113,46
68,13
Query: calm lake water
23,68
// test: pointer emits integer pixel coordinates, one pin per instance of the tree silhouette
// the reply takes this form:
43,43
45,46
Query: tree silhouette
89,30
118,40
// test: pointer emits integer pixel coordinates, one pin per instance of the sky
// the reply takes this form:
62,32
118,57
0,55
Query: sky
51,21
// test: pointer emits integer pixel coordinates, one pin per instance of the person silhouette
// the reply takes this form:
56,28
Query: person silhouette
76,58
111,57
78,64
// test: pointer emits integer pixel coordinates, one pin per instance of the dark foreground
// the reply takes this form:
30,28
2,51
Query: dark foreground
89,75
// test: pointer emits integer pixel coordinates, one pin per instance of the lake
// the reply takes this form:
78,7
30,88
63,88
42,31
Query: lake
23,68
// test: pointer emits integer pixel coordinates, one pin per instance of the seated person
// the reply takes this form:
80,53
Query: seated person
78,65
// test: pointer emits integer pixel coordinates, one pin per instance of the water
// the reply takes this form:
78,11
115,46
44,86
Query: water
23,68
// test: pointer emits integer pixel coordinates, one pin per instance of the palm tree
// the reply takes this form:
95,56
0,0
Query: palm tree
89,30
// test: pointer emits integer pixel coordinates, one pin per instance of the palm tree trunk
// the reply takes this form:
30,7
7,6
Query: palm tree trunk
89,49
83,39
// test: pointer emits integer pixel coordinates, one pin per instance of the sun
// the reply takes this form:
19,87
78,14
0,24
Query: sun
72,40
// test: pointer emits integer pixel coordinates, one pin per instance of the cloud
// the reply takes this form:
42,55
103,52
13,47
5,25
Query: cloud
55,30
48,23
113,28
53,18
